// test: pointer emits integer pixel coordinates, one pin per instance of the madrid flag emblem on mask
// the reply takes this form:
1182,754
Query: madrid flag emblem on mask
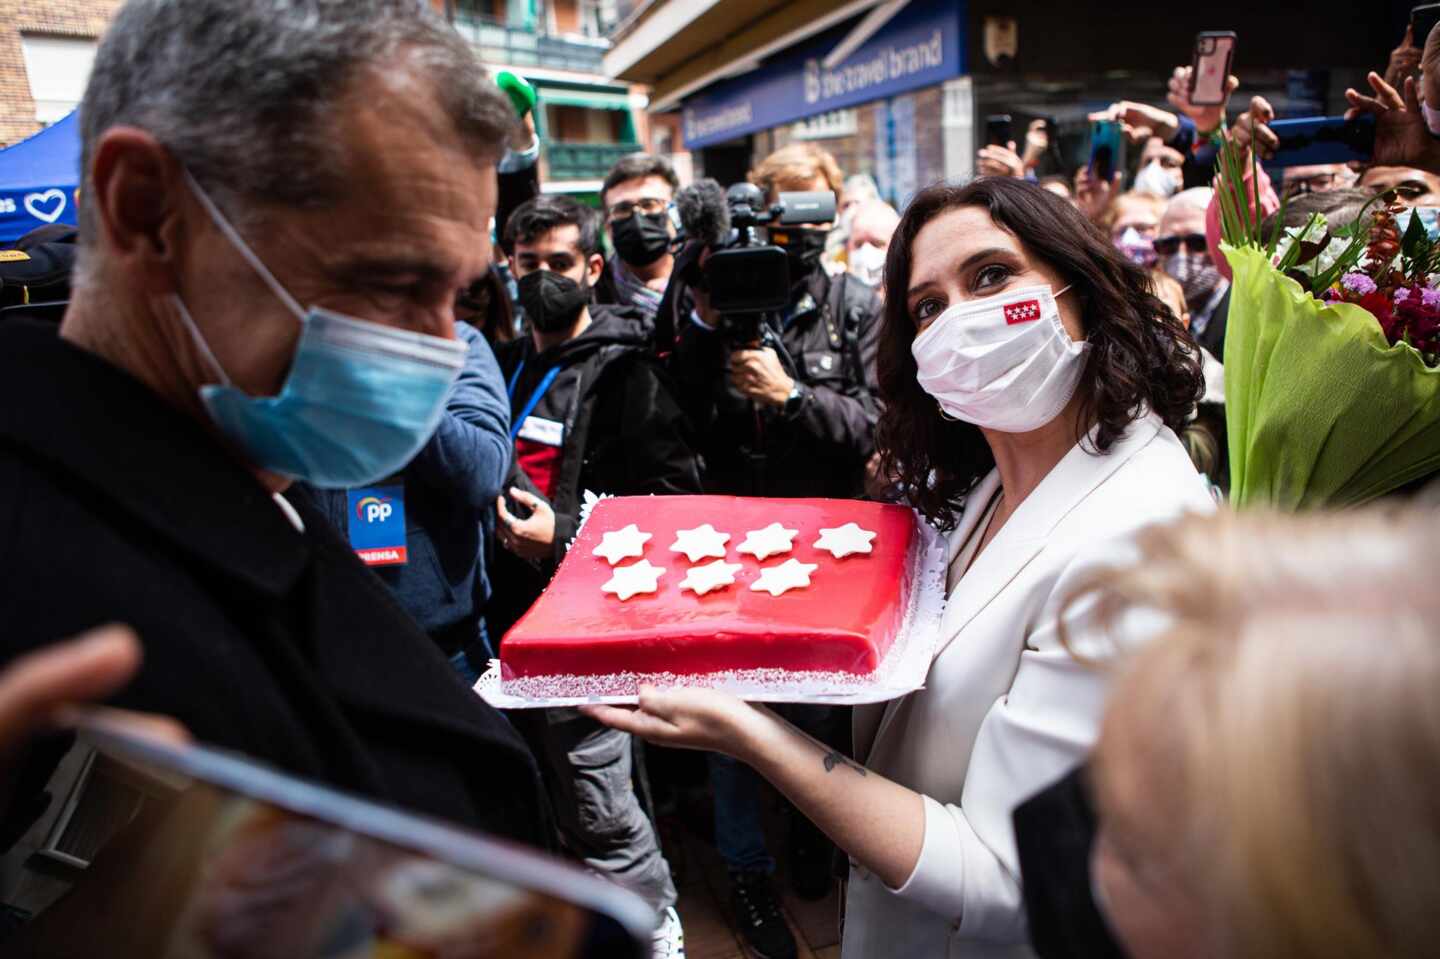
1022,312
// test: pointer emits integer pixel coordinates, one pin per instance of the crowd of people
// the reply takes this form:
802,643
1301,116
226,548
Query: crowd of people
347,276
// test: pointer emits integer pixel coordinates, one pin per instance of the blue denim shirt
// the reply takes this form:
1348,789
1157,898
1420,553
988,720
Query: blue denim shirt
450,491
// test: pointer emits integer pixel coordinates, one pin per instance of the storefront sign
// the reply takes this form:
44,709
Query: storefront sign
919,47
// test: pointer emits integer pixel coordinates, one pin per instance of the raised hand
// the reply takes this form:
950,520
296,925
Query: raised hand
1207,118
995,160
1253,127
1401,137
1037,141
1140,121
1404,59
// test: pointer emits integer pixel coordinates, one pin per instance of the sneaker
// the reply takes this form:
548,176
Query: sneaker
668,941
757,917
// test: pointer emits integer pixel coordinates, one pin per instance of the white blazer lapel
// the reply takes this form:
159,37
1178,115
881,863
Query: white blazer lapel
868,722
1077,474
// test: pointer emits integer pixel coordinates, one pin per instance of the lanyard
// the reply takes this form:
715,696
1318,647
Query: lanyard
534,399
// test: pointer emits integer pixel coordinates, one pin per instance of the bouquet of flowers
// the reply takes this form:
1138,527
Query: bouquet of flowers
1331,382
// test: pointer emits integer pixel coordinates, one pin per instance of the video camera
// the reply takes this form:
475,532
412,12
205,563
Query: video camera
746,277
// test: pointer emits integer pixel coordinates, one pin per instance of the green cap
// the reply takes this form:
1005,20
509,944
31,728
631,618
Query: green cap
521,94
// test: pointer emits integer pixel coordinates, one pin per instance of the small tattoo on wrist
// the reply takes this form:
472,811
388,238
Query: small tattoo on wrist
833,758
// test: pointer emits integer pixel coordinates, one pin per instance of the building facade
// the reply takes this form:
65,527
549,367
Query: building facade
585,120
903,89
46,49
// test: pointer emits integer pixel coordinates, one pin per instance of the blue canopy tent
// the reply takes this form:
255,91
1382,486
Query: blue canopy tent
38,179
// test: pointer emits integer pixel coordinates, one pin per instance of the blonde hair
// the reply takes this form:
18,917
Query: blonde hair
1294,710
795,167
1111,213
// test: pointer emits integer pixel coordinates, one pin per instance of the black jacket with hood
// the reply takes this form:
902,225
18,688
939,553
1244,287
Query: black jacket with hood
817,448
624,434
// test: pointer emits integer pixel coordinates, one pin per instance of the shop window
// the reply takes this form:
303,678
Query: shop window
826,126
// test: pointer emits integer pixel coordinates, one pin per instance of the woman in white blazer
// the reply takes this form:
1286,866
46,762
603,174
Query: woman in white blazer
1033,385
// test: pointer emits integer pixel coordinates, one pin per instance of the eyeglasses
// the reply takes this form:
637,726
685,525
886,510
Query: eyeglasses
625,209
1193,242
1315,184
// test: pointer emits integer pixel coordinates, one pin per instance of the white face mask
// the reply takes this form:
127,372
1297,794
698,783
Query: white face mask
1005,362
1157,180
867,261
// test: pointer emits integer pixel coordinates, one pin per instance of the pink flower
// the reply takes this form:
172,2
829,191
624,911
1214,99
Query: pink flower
1358,283
1401,295
1430,298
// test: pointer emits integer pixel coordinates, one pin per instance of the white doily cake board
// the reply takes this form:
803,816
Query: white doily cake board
901,671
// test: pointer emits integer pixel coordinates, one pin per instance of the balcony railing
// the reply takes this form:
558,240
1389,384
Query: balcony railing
584,161
502,44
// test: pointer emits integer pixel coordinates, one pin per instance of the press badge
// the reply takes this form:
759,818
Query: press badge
377,524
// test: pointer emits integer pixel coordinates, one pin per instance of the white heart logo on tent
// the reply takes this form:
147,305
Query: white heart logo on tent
36,203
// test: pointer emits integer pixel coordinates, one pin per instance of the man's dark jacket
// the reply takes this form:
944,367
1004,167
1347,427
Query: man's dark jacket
819,449
624,433
450,486
114,506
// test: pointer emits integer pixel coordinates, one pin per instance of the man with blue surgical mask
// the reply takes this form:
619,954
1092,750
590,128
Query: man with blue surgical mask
264,295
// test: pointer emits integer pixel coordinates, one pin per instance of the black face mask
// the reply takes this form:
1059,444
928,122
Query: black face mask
803,249
641,239
552,301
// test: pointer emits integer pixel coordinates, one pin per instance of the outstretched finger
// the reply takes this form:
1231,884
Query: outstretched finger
1384,92
1412,96
1360,103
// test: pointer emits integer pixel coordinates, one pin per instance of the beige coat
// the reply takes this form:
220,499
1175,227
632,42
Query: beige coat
1006,709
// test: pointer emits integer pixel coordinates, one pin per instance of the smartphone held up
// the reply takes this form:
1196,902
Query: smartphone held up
1211,65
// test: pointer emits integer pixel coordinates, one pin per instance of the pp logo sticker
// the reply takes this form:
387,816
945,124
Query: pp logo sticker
376,521
373,509
1022,312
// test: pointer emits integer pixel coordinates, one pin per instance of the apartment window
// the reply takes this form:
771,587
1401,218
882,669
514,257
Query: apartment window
826,126
58,68
598,17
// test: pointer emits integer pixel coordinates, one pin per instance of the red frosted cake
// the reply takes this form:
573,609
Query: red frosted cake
705,584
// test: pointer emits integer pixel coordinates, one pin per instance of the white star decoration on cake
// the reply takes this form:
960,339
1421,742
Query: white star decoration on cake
620,544
791,574
770,541
627,581
700,542
717,575
845,540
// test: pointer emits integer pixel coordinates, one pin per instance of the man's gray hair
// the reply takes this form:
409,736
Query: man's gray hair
1195,198
244,92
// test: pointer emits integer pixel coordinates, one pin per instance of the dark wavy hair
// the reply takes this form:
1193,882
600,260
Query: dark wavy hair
1141,357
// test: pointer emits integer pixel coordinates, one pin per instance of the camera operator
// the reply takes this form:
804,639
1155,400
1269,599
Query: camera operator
784,406
793,418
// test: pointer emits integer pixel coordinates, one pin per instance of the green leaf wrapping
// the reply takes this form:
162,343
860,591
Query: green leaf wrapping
1344,419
